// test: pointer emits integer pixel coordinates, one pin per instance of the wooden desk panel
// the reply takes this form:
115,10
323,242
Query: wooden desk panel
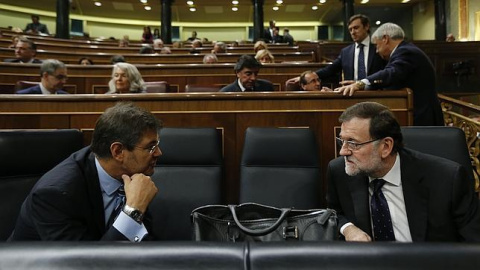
231,112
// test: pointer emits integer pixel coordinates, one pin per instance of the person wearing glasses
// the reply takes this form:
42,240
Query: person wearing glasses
309,81
53,74
25,52
384,191
102,191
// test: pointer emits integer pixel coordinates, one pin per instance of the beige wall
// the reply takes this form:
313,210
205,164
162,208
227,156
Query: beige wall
424,21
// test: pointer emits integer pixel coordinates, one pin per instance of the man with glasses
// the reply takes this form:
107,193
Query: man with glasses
383,191
53,74
102,191
309,81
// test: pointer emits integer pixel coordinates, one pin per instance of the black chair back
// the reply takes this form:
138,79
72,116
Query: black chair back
280,167
188,175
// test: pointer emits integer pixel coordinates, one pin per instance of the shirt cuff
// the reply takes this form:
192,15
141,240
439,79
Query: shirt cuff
132,230
345,226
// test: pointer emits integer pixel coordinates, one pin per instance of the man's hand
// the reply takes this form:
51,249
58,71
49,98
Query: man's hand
348,89
139,190
354,234
326,89
292,80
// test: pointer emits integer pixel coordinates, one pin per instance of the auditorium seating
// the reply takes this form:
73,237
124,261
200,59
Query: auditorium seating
25,156
280,167
188,175
232,256
157,87
190,88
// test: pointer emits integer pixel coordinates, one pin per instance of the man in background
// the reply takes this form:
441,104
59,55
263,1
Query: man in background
309,81
25,52
53,74
268,33
287,37
246,69
35,27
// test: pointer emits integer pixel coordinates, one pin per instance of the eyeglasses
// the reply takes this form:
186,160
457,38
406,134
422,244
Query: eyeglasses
59,77
353,146
151,149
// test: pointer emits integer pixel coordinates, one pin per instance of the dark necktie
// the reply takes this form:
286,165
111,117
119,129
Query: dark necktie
361,63
382,221
119,203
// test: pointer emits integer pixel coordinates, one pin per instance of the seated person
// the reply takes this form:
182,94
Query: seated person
383,191
309,81
147,49
117,59
165,50
101,192
195,45
158,43
123,43
260,45
53,77
15,40
246,69
219,47
126,79
25,52
35,27
210,58
264,56
193,37
85,61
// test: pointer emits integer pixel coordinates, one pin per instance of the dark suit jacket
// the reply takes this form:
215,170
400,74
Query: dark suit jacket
439,198
66,204
260,86
39,27
36,90
267,36
345,63
16,60
410,67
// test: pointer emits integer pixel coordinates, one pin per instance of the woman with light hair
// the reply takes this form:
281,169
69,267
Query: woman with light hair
260,45
126,79
264,56
210,58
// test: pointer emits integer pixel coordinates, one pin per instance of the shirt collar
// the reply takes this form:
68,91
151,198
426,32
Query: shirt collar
241,86
394,175
108,184
44,90
365,42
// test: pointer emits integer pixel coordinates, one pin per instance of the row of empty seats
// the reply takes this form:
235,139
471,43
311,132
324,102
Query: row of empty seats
279,167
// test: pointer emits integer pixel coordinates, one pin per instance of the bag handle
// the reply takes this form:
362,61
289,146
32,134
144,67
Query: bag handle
268,230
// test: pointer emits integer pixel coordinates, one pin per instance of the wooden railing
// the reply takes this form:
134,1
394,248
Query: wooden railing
459,114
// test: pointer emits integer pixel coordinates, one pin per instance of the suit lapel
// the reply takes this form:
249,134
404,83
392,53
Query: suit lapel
415,195
359,191
372,50
95,194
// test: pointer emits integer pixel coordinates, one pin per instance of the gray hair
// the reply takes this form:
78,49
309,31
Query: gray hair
50,65
158,43
210,56
137,85
221,45
392,30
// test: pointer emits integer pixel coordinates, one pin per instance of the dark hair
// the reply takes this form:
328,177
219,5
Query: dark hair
35,16
246,61
303,81
117,59
125,123
382,121
363,19
147,49
85,58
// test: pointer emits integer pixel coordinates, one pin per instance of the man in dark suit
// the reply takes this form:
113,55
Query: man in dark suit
427,198
246,69
347,62
268,33
53,75
100,192
36,27
408,66
25,51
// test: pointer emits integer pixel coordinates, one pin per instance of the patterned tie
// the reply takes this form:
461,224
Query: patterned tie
361,63
119,203
382,222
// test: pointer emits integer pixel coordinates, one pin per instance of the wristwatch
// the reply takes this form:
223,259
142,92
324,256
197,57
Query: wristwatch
360,84
134,213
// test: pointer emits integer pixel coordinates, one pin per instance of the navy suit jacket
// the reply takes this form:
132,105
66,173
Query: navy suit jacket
439,198
36,90
66,204
260,86
16,60
345,63
410,67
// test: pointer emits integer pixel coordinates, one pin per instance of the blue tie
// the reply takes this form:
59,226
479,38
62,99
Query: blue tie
382,221
361,63
119,203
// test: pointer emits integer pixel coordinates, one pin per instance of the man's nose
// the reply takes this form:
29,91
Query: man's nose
344,150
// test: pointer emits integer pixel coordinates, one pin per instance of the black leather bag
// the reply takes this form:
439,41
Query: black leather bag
260,223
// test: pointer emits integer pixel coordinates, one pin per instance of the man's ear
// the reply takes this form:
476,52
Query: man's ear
387,146
116,149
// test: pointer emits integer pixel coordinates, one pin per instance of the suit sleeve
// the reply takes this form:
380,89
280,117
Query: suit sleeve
331,70
333,200
396,72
